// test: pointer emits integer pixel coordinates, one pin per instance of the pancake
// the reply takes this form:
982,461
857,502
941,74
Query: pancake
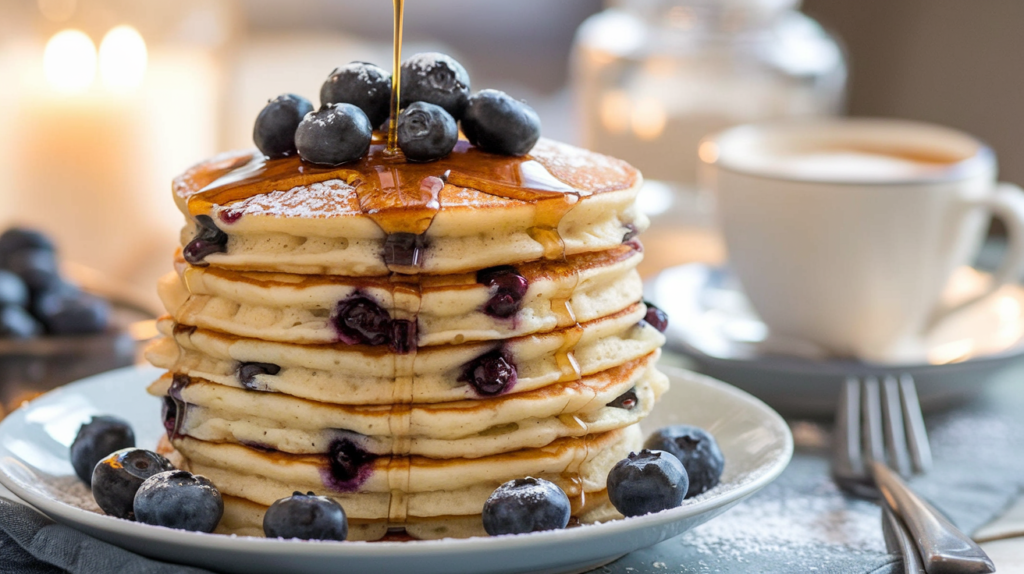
402,488
205,421
356,375
449,309
245,518
484,211
443,421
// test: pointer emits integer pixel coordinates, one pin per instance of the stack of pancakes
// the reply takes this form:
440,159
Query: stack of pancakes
406,337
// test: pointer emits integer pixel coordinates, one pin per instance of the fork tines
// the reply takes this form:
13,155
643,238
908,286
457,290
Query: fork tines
880,420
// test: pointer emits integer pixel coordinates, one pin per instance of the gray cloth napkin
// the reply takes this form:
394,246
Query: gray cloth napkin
799,524
33,544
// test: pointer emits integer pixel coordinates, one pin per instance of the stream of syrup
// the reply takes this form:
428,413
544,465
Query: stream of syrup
396,78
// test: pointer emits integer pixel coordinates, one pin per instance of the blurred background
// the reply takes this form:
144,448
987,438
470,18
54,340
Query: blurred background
104,101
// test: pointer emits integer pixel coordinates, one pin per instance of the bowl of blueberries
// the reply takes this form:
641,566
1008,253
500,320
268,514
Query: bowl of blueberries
52,331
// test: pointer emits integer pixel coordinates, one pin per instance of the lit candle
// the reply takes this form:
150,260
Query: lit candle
95,138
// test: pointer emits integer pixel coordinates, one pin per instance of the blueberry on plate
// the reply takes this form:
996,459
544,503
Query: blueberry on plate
274,132
307,517
436,79
656,317
497,123
12,290
17,323
179,499
364,85
21,239
648,482
117,478
336,134
426,132
696,449
526,505
95,440
71,312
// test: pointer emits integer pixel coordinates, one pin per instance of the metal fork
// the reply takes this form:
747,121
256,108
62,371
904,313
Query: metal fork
880,421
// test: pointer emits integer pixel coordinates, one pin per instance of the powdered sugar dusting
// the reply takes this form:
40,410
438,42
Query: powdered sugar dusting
330,198
583,169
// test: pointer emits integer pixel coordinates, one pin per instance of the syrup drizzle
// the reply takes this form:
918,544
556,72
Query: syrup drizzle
396,78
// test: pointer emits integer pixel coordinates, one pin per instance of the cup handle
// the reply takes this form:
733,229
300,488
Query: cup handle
1007,204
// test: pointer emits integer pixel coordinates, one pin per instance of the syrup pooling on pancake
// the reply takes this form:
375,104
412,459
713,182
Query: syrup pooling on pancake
401,197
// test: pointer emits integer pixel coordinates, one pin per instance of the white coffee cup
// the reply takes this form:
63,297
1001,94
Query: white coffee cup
844,232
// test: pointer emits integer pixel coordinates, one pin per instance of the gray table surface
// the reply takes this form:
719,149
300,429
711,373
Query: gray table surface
802,523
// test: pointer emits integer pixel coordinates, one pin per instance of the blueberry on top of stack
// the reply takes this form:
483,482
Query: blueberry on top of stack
355,100
34,299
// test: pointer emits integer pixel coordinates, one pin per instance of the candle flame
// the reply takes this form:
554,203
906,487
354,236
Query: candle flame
69,61
123,59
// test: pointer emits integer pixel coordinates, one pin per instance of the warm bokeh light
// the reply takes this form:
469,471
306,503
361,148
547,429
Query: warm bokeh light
122,59
615,111
69,61
708,152
649,119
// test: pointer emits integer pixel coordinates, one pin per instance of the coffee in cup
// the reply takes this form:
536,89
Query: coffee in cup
844,232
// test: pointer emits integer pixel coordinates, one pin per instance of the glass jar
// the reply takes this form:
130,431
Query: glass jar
652,77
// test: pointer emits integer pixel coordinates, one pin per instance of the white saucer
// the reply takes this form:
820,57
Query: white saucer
712,323
34,465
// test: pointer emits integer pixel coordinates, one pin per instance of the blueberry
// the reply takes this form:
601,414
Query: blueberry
509,289
179,499
526,505
274,132
363,85
37,267
347,461
12,290
209,239
333,135
169,415
71,312
497,123
627,400
117,478
17,323
697,450
402,338
404,249
96,439
247,373
426,132
631,232
648,482
307,517
20,239
436,79
656,317
360,321
490,374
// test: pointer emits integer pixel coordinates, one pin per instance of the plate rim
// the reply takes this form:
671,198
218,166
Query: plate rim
78,518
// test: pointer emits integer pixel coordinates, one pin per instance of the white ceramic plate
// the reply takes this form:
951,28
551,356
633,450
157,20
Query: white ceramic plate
34,465
712,323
